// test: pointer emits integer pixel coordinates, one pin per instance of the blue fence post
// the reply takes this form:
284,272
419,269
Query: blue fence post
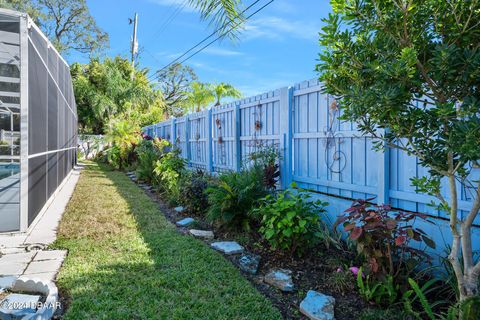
187,138
286,136
173,132
383,174
208,140
237,151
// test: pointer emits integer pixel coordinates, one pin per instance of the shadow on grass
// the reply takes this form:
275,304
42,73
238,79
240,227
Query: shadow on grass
126,261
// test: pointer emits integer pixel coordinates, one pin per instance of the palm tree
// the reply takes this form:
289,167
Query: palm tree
223,15
200,96
225,90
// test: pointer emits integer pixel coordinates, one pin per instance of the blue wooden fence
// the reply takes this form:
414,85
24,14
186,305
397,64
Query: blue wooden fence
318,151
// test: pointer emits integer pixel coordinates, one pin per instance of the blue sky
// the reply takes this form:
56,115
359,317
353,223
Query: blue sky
278,47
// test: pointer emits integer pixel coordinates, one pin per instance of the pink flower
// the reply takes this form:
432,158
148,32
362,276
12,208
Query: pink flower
355,271
339,269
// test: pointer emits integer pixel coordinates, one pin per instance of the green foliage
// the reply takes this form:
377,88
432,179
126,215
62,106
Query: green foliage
193,186
419,293
114,157
104,91
148,152
234,195
199,96
123,136
68,24
470,308
224,90
168,170
291,220
175,85
383,237
382,292
224,15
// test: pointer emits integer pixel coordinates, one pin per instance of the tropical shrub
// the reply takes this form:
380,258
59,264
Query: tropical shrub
148,152
290,220
122,137
168,170
234,195
383,237
193,186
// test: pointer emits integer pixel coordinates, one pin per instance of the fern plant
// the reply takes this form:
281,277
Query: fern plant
234,195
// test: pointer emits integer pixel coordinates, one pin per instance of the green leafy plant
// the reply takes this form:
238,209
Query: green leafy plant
148,152
168,170
417,293
291,220
382,292
193,186
383,236
234,195
123,137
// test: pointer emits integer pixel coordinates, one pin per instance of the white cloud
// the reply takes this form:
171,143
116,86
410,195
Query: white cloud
277,28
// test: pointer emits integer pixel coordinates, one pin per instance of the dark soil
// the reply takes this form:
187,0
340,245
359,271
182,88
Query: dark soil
315,270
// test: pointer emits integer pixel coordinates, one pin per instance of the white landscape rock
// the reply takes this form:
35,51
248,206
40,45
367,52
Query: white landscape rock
185,222
204,234
281,279
318,306
227,247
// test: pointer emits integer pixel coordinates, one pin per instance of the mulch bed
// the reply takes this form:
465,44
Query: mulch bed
313,271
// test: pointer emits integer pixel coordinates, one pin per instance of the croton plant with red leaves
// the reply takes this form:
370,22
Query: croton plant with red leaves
383,236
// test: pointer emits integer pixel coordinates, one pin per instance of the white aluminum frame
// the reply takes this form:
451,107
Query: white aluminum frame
24,24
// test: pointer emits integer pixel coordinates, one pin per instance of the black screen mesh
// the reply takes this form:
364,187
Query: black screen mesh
51,123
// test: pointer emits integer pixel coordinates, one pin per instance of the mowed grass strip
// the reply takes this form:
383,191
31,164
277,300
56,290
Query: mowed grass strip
126,261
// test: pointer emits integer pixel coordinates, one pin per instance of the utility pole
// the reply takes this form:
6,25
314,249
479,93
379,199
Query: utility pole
134,48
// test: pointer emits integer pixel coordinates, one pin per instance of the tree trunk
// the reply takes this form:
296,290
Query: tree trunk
470,287
467,274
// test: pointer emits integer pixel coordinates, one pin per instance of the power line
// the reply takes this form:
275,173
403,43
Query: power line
211,35
167,22
219,37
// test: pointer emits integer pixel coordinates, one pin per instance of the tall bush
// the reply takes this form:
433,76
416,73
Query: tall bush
412,68
148,152
168,170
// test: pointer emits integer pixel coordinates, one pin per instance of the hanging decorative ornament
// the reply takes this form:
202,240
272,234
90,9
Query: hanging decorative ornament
220,140
218,122
258,125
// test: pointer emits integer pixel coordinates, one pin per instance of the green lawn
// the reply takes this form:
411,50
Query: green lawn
126,261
